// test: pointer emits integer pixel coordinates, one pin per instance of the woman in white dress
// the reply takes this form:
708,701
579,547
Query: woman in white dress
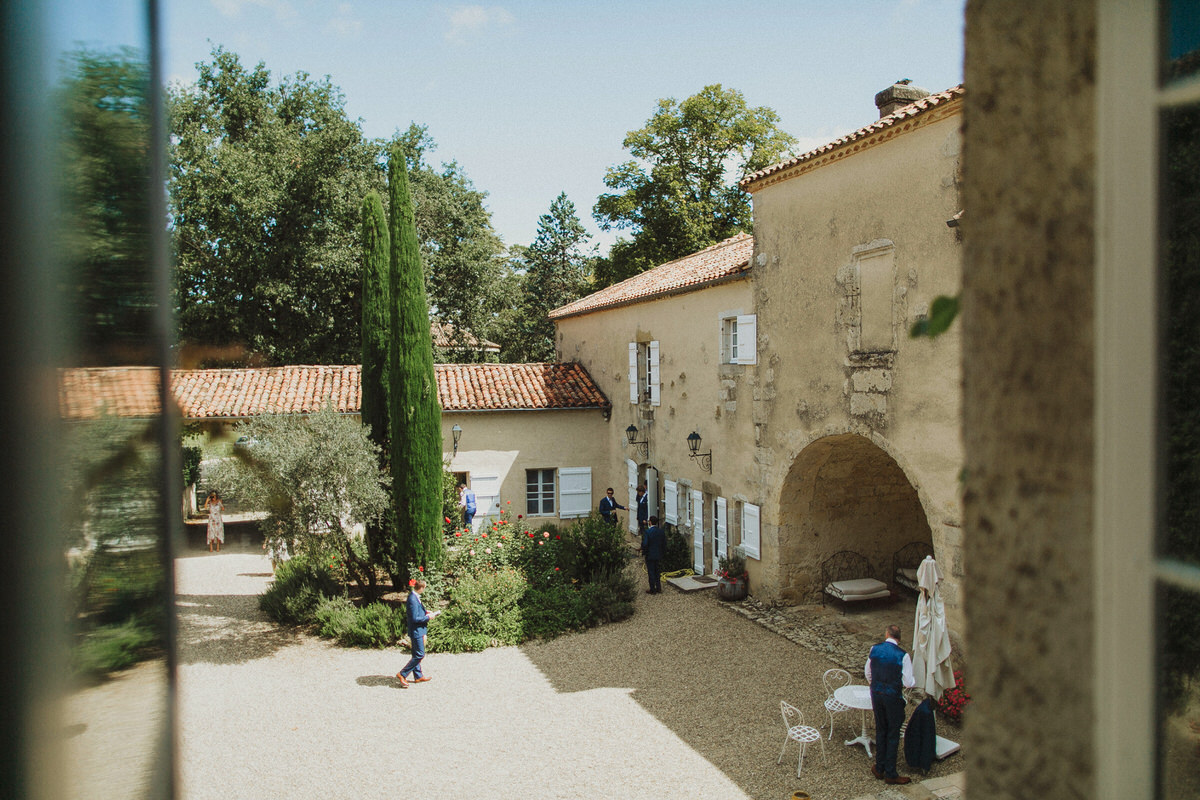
216,526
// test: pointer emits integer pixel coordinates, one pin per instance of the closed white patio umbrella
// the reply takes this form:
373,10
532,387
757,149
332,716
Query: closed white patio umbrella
931,639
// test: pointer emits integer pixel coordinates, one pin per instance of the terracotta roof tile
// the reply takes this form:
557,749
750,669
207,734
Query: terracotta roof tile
900,115
88,393
502,387
91,392
724,260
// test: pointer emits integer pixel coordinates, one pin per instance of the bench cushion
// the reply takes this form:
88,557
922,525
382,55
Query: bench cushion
858,589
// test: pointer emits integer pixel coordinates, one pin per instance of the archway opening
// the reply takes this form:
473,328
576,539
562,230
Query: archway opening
843,492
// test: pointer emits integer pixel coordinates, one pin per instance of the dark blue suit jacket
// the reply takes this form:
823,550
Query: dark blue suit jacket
415,615
643,509
654,543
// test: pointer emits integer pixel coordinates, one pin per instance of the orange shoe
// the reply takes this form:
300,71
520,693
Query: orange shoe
421,679
403,680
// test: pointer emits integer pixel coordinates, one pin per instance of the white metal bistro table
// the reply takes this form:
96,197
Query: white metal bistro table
857,696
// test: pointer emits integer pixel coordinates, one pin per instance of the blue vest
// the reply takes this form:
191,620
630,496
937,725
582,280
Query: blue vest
887,669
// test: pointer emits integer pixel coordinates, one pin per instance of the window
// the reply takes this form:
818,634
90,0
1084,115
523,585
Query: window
1146,329
739,334
643,373
539,492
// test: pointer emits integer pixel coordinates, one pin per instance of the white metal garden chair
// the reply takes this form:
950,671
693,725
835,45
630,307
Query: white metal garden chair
798,732
834,679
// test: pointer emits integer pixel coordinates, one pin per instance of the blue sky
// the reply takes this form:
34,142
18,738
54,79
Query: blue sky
533,98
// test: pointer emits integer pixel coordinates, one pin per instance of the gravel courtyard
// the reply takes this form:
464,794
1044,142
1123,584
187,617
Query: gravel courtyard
680,700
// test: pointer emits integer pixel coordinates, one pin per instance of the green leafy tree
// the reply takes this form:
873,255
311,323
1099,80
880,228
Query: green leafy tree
376,317
681,193
105,134
460,251
415,414
557,270
265,186
376,333
318,477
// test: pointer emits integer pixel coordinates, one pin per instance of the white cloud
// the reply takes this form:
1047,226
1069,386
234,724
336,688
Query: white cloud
283,9
467,22
344,23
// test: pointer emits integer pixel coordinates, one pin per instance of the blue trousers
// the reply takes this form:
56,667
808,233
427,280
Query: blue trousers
889,716
418,655
652,570
468,517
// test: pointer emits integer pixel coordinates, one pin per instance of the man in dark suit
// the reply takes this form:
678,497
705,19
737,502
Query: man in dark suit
418,624
609,506
654,547
889,670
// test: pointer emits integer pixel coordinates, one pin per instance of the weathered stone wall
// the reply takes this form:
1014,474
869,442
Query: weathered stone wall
848,255
1028,381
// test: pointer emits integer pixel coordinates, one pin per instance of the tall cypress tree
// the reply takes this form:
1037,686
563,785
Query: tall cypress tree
376,333
415,414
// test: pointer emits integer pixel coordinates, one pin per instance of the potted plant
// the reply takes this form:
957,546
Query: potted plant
733,582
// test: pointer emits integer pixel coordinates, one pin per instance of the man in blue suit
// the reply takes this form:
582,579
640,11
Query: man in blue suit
654,547
609,506
889,670
418,621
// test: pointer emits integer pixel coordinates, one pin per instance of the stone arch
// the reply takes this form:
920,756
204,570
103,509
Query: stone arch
845,491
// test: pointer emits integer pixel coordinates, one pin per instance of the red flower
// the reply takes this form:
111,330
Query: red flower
447,520
422,569
458,533
412,582
531,534
484,535
520,516
557,537
556,569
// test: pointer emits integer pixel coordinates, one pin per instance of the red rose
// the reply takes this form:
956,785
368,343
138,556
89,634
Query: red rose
447,520
421,569
412,582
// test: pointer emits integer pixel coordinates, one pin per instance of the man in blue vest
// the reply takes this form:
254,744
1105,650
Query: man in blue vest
889,670
466,501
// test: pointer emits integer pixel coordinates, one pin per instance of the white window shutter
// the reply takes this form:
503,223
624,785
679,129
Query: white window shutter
632,474
633,372
574,492
747,339
722,527
698,531
750,516
654,381
670,502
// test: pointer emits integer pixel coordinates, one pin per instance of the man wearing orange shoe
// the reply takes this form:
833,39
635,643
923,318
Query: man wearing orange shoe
418,625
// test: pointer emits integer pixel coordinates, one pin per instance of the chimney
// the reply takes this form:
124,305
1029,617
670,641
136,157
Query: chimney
898,95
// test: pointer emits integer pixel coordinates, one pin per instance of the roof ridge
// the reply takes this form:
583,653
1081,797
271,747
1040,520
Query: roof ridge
914,109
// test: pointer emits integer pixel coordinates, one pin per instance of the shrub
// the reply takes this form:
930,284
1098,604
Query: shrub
298,588
679,551
113,647
483,610
593,549
375,625
552,610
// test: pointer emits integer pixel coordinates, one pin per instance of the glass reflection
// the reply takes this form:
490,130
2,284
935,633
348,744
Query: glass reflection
1179,694
1181,39
116,581
1181,334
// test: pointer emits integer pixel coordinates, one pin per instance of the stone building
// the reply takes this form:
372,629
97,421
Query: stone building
788,354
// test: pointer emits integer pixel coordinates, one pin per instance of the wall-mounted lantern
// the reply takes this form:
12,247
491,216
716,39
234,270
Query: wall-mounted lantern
705,459
456,432
643,446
